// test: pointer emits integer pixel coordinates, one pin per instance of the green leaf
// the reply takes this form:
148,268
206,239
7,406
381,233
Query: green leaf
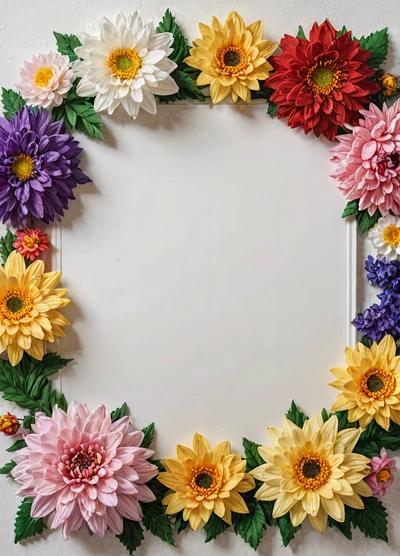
343,422
372,520
374,438
187,86
180,44
180,524
378,44
296,416
365,221
7,468
350,209
28,422
18,445
214,527
268,508
342,31
6,246
131,536
12,102
301,34
253,458
25,525
325,415
66,45
272,109
251,526
367,341
119,412
287,530
155,521
345,527
148,436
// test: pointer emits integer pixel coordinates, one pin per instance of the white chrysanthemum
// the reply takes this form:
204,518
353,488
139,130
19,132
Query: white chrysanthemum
125,62
385,237
46,80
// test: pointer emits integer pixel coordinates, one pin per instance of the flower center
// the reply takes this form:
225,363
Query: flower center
383,476
43,76
15,305
312,471
125,63
205,481
323,77
378,384
22,167
30,243
82,463
231,60
391,235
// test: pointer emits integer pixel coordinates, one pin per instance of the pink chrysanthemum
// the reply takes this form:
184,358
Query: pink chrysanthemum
79,467
368,160
46,80
381,476
31,243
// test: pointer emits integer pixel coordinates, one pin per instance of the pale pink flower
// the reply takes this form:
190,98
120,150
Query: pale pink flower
368,160
79,467
381,476
46,80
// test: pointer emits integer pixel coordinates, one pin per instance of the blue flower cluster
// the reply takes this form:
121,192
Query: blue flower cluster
384,318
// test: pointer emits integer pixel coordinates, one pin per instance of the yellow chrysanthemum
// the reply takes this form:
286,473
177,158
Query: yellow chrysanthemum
370,384
205,481
232,58
312,471
28,303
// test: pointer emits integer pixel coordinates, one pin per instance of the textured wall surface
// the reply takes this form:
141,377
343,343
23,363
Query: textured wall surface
206,257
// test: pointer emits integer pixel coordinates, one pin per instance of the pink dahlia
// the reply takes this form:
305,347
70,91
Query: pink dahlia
381,476
368,160
46,80
81,468
31,243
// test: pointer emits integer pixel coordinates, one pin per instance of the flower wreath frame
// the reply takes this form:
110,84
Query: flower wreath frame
105,476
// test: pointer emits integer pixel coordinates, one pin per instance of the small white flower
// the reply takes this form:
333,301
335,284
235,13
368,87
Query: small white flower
46,80
125,62
385,237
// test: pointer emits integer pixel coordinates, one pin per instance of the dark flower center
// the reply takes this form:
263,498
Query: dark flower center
311,469
204,480
15,304
374,383
232,58
22,167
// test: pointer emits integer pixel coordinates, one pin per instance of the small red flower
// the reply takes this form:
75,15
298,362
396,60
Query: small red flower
322,83
9,424
31,243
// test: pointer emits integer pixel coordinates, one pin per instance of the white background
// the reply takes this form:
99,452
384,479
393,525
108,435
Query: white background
206,264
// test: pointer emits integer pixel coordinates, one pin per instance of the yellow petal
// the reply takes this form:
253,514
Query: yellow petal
15,264
217,91
235,503
175,505
283,504
37,349
200,444
14,351
320,521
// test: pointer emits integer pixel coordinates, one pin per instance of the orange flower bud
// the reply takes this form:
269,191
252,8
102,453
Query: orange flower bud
389,82
9,424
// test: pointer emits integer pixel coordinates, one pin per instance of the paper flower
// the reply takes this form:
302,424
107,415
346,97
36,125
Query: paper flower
370,384
390,83
368,160
205,480
125,62
385,237
39,168
379,320
232,57
28,308
86,470
381,477
9,424
46,80
321,83
385,274
312,471
31,243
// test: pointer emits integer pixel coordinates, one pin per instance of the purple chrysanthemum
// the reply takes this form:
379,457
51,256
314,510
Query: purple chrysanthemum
379,320
385,274
39,168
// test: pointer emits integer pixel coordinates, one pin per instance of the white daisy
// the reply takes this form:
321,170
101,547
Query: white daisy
385,237
125,62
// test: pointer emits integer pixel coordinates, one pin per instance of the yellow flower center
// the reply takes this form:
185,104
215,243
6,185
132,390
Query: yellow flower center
205,481
43,76
30,243
231,60
15,305
391,235
378,384
312,471
383,476
323,77
125,63
22,167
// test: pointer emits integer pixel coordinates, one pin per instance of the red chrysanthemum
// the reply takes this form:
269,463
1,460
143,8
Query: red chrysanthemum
322,83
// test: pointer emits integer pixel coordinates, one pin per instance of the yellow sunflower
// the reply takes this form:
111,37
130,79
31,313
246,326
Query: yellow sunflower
312,472
28,303
232,58
205,481
370,384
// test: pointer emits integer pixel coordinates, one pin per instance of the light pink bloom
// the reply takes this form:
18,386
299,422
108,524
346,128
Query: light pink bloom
381,476
46,80
368,160
79,467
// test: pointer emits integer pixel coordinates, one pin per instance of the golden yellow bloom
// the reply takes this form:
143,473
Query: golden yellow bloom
370,384
205,481
389,81
232,58
28,303
312,471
